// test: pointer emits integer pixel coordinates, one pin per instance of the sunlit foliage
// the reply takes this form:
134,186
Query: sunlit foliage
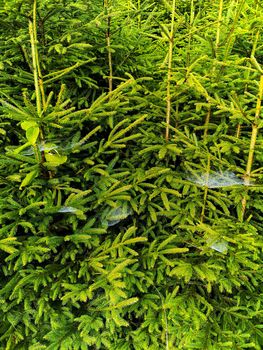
131,174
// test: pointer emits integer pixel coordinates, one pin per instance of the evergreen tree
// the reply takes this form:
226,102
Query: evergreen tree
130,204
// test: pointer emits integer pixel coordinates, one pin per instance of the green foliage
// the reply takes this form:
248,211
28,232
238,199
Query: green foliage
112,237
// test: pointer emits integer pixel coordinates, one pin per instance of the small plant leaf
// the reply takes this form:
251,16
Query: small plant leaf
32,134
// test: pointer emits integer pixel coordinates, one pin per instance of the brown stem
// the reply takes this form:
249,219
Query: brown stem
206,189
253,141
108,42
207,121
169,75
238,130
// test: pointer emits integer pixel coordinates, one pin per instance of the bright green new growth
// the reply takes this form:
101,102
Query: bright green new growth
131,171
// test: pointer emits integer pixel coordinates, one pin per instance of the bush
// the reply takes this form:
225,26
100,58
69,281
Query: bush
120,230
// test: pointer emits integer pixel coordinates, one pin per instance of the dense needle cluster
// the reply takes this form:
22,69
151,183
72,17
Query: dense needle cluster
130,175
